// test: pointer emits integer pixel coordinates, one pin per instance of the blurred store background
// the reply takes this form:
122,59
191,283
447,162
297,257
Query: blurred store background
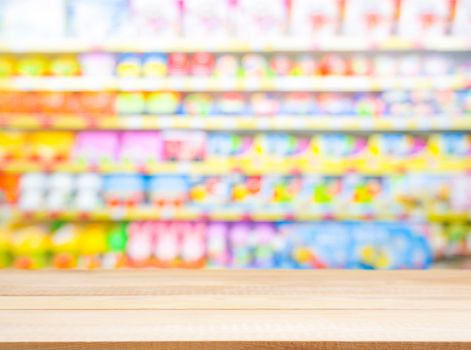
235,133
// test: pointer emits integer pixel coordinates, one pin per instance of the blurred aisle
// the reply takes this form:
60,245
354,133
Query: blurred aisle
234,133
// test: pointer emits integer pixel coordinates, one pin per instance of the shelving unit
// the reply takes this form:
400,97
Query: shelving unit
76,84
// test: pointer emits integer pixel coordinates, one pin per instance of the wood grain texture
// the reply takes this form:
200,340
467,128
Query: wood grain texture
178,309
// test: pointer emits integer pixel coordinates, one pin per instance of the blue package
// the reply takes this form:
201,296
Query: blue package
94,20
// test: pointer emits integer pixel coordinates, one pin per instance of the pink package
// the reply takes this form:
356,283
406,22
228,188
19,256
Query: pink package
155,18
183,145
261,19
314,18
193,243
140,146
206,18
96,146
421,18
139,245
218,249
462,19
371,18
166,243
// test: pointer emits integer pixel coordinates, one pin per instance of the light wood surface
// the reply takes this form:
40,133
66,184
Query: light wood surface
176,309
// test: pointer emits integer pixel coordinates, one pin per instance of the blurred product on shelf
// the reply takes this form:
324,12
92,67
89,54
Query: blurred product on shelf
399,197
387,151
219,66
221,244
96,105
222,19
234,133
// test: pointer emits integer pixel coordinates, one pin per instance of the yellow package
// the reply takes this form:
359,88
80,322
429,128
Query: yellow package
12,145
51,145
7,66
30,246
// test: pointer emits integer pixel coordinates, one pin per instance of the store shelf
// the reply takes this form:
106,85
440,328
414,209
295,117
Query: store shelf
221,214
239,45
252,166
219,122
330,83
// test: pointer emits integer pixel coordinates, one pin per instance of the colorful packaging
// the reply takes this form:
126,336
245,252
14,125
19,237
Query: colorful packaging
154,65
162,103
130,103
202,64
50,145
95,147
178,64
7,66
230,103
169,191
183,145
198,103
128,65
123,190
217,244
281,65
209,192
64,65
254,66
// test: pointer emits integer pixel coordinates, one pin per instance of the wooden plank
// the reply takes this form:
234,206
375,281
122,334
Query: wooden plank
179,309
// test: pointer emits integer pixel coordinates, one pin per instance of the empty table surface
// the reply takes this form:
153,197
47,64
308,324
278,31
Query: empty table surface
231,309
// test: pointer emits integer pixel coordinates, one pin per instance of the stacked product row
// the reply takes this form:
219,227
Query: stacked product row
92,19
357,196
220,244
250,65
397,103
150,147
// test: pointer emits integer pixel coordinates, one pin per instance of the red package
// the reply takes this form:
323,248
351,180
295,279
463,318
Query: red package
333,65
178,64
202,64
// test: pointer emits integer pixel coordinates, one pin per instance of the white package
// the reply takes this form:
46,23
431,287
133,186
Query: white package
314,18
371,18
206,18
462,20
155,18
32,19
260,19
421,18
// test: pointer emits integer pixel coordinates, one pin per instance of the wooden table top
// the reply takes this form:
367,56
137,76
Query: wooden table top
176,309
